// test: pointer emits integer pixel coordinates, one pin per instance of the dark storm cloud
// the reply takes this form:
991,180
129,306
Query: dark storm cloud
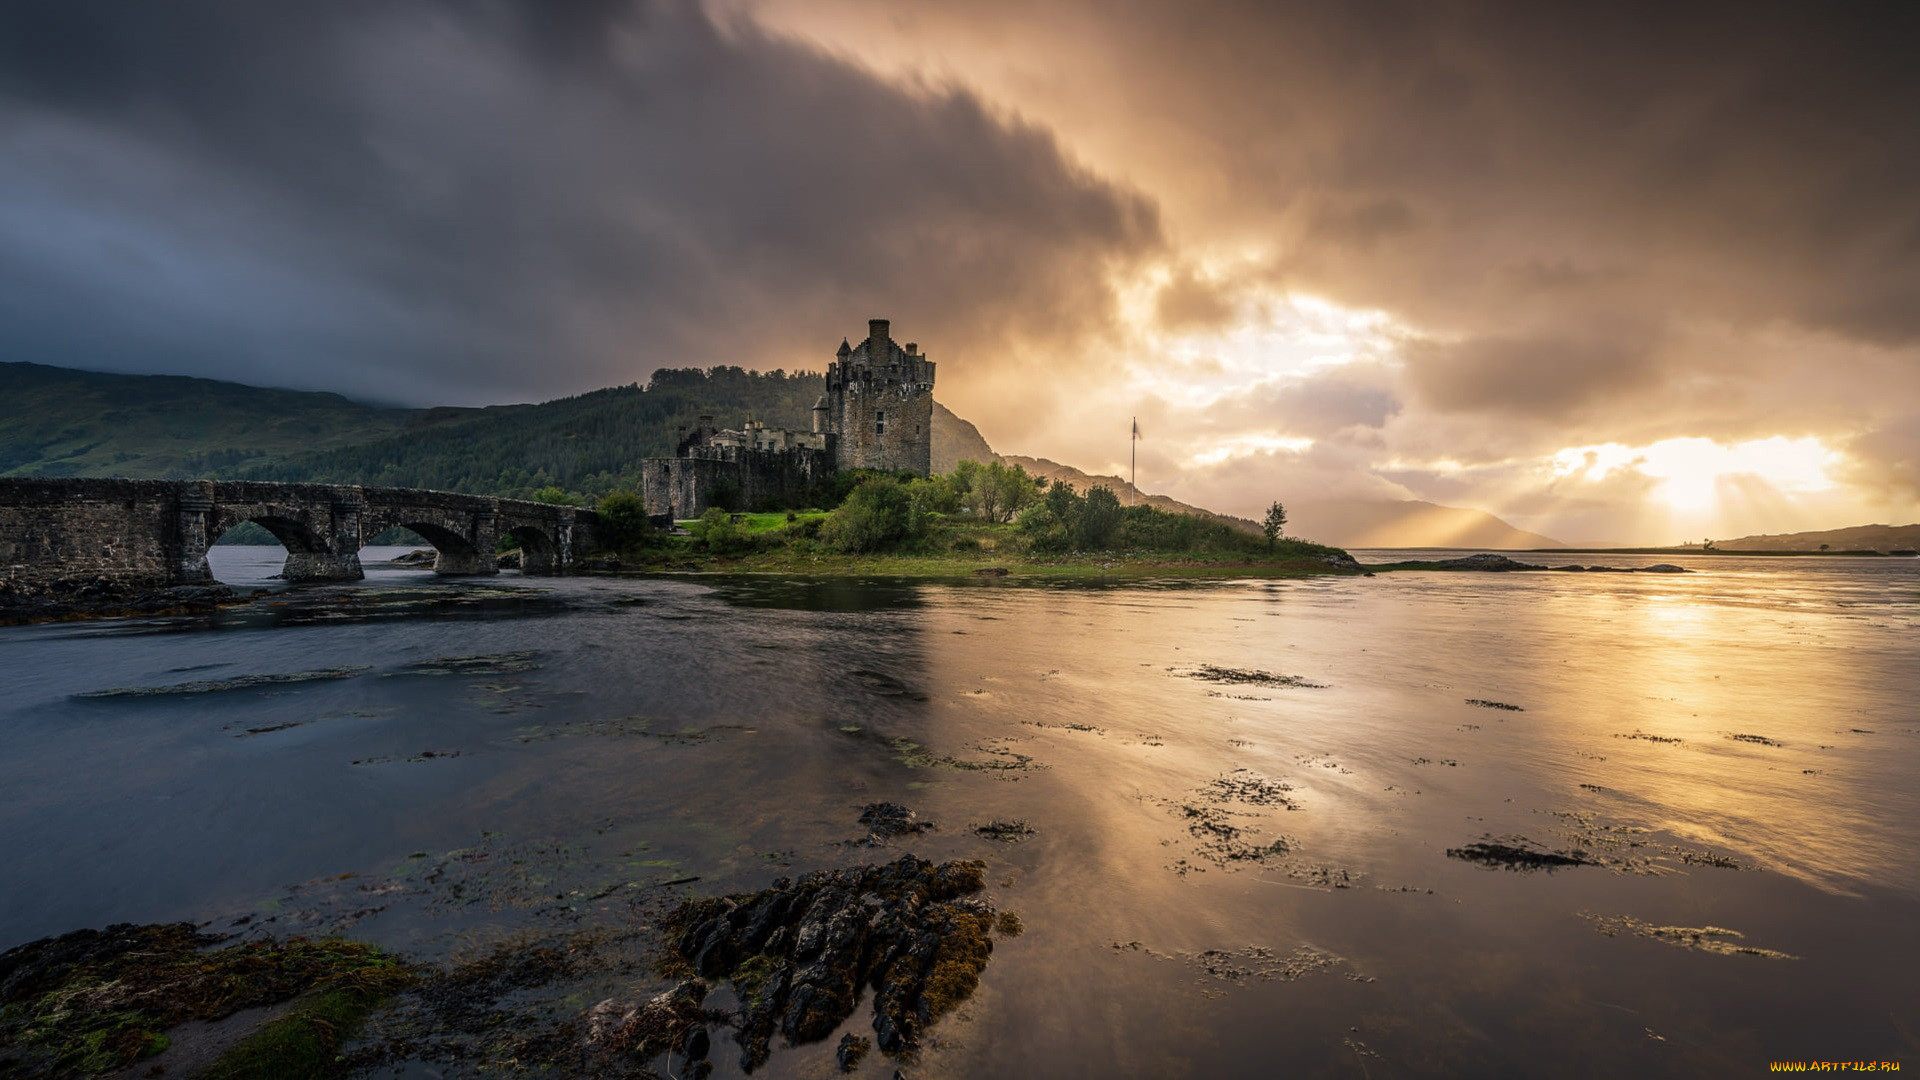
1514,175
1540,377
468,202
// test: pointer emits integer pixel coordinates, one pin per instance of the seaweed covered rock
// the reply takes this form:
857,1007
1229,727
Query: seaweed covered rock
886,820
95,1001
671,1022
28,601
799,953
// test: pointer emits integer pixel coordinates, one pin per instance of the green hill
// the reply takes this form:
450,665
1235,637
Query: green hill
590,444
60,422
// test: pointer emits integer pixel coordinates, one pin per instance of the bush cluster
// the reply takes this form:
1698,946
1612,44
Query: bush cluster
961,511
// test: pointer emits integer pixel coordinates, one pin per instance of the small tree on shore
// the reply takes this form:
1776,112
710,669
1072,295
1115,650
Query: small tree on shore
1276,521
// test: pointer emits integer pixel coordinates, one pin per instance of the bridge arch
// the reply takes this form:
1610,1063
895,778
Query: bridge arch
74,531
321,535
539,550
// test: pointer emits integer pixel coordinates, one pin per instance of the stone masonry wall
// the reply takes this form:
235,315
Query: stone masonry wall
767,479
123,530
880,404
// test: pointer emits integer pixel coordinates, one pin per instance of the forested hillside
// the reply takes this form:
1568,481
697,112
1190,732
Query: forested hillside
591,444
60,422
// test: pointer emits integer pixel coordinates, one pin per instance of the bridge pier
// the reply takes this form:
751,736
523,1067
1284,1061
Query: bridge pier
192,510
342,563
466,563
484,538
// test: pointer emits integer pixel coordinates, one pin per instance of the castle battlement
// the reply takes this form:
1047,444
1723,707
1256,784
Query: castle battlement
879,404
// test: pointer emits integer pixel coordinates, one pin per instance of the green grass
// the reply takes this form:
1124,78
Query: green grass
773,521
961,548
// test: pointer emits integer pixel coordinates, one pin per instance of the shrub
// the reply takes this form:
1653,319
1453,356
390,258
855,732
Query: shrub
876,515
717,530
623,521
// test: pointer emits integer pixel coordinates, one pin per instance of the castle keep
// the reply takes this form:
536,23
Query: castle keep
877,413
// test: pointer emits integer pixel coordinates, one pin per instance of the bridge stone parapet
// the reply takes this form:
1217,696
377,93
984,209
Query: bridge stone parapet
157,532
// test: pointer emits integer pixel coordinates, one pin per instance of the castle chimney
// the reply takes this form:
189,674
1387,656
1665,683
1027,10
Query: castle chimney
877,334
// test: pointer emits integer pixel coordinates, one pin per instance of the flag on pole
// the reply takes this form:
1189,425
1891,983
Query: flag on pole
1133,463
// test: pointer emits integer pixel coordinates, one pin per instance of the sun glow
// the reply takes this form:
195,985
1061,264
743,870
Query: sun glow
1695,474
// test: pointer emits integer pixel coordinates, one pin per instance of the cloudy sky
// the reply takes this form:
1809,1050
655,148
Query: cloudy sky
1627,272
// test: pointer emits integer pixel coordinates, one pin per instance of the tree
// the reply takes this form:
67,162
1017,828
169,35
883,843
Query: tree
623,520
1099,520
558,496
1005,490
963,478
1276,521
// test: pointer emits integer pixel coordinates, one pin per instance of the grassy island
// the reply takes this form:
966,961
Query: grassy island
991,520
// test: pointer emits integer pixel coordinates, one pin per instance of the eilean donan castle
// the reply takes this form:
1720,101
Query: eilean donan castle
877,413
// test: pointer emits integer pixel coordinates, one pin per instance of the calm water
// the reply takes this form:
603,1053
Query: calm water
626,733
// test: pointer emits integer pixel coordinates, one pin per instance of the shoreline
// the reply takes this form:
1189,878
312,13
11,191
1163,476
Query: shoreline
950,567
1857,553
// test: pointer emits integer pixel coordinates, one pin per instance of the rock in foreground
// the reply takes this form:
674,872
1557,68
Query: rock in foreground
800,953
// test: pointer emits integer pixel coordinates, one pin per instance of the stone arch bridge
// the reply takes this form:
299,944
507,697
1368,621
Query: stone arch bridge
156,532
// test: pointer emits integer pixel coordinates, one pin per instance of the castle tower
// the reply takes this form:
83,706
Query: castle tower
880,404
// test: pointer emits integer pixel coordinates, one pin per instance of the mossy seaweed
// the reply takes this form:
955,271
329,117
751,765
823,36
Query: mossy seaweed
94,1001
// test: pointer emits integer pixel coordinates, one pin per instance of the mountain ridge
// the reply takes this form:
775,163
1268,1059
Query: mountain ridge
1849,538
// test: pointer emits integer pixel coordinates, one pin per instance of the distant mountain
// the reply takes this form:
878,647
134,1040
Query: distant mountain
1407,523
1053,470
1856,538
955,440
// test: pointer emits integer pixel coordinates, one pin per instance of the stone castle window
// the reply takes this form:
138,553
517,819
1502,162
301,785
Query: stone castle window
880,423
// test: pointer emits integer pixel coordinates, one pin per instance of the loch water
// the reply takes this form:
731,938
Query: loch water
1227,875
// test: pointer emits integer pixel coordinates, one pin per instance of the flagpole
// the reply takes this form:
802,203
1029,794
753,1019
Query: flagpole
1133,462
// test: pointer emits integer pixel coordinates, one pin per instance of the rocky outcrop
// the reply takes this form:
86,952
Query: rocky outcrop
1483,561
29,601
800,953
1656,568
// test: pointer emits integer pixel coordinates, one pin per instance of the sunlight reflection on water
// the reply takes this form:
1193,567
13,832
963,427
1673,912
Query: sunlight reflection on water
1757,713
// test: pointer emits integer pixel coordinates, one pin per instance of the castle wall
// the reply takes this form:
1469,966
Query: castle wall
767,479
